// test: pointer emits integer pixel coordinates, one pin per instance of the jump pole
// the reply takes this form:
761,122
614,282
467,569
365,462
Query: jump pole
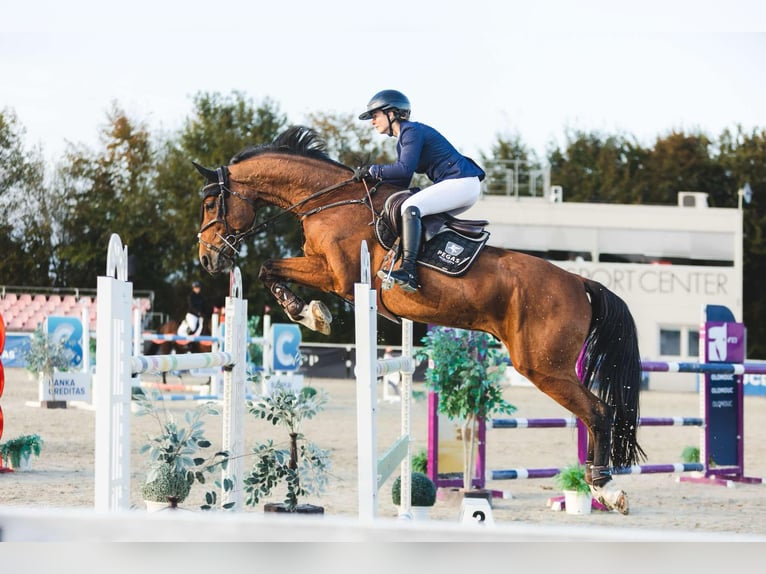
116,370
373,471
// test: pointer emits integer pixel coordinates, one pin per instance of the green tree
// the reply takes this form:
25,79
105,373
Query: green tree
218,128
509,160
594,167
743,159
465,369
26,230
681,162
107,191
351,141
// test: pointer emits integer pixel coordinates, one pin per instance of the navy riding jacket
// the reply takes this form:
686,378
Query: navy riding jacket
422,149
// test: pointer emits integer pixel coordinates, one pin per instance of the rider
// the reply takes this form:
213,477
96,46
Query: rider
420,149
195,309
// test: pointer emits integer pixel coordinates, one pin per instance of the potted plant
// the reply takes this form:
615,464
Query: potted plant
44,356
422,494
577,495
420,461
298,465
465,369
175,460
17,452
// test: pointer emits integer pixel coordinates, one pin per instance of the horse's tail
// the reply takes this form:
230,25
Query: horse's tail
612,367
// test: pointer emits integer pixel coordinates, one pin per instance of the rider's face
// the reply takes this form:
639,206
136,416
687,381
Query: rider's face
381,121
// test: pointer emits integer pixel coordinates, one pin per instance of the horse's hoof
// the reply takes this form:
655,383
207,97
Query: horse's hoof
611,497
322,317
315,316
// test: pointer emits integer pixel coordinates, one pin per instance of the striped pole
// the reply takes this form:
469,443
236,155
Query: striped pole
712,368
522,473
180,361
519,423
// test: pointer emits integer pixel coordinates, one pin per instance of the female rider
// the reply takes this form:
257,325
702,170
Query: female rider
420,149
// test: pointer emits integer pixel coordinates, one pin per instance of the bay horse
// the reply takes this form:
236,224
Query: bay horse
573,338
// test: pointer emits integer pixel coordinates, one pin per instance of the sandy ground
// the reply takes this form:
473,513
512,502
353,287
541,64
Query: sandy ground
63,474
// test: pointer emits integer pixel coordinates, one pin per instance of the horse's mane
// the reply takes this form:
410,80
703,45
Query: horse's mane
297,140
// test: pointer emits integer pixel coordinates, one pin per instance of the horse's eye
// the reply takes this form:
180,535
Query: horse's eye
210,205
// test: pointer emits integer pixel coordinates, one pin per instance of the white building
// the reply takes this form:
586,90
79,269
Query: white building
666,262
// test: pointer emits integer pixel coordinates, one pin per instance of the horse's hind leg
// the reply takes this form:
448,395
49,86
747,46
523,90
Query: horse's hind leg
597,418
598,472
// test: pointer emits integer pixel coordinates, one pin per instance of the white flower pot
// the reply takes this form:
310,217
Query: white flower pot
153,506
577,502
25,463
417,512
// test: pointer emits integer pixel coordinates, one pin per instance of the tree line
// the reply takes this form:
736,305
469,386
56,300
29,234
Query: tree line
141,185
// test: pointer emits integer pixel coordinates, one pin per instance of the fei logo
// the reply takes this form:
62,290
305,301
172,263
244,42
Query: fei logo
287,340
725,342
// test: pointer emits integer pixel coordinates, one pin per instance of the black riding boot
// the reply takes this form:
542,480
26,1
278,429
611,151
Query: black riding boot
407,275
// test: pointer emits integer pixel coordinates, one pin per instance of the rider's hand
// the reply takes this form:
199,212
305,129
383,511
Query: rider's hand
361,172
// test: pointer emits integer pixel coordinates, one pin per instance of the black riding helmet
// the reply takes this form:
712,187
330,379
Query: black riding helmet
388,100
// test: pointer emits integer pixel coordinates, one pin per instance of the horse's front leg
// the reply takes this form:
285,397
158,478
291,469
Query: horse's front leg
308,271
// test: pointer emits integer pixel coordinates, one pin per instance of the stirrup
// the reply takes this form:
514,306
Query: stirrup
408,284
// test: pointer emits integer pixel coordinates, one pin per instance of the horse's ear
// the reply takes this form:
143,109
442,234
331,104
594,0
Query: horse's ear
209,174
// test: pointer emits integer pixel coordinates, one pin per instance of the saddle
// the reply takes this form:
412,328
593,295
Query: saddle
450,245
432,224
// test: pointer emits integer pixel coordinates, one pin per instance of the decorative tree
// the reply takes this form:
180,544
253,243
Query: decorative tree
465,370
303,467
175,459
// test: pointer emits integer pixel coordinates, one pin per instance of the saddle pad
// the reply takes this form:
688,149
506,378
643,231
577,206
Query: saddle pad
451,252
448,251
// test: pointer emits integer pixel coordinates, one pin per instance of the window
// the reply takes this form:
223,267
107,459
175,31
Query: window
673,340
693,344
670,342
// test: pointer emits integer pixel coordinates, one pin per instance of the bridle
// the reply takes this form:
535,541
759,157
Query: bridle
231,239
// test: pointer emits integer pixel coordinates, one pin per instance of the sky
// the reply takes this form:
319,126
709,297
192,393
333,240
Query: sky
474,70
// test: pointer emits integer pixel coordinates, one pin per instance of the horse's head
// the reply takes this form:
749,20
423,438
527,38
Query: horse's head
227,220
289,173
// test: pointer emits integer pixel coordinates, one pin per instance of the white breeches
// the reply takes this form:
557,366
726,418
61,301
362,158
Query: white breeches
453,196
194,323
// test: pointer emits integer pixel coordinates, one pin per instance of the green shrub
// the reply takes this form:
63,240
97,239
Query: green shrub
423,490
167,485
690,454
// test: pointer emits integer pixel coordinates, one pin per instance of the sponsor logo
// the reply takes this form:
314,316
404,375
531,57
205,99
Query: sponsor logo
451,253
453,249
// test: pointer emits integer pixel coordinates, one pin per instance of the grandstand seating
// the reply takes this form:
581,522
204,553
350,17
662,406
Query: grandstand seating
25,311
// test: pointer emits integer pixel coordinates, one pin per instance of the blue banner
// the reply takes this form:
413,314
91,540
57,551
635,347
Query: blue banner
287,353
16,347
69,331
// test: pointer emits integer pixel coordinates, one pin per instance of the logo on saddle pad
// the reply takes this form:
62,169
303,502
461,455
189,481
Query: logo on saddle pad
450,253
